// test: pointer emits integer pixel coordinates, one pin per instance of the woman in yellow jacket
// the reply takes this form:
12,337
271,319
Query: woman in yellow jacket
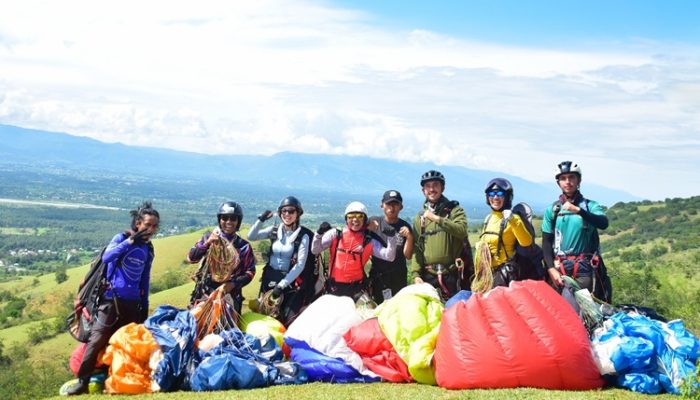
502,230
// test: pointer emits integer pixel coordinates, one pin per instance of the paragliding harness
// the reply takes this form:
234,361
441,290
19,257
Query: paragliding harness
527,262
358,288
463,268
86,305
203,274
602,287
300,293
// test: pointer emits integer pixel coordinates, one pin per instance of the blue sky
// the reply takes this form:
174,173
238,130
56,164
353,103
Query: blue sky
508,86
543,23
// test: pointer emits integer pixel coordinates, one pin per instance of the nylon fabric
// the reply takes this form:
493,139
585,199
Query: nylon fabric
175,332
411,321
368,340
321,327
525,335
128,355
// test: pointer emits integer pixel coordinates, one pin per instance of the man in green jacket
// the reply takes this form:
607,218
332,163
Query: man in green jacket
439,233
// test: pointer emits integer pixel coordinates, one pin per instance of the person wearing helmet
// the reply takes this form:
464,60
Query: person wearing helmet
287,273
129,256
350,249
570,235
502,230
229,218
386,278
440,236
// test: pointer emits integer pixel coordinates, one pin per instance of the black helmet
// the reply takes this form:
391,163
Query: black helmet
230,208
291,201
567,167
500,184
432,175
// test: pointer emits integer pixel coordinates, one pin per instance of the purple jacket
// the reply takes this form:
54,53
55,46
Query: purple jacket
128,269
246,270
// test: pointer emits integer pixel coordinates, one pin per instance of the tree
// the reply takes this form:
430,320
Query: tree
61,275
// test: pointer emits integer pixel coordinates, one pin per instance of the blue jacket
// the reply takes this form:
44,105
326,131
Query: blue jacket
128,269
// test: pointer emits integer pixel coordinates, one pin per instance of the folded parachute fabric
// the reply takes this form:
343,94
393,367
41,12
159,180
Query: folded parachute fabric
260,325
175,332
646,355
462,295
240,361
525,335
322,368
321,328
411,321
377,352
127,355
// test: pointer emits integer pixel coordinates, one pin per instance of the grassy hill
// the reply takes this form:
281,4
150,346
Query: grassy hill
651,249
45,297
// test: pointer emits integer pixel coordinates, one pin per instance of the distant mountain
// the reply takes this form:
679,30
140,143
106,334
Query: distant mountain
359,177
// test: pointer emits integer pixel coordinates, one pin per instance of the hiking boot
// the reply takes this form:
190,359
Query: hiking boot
77,388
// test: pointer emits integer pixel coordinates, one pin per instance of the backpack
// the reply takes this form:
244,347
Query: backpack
335,247
81,320
529,259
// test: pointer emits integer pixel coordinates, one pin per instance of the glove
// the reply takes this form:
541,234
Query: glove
276,292
323,228
265,215
138,237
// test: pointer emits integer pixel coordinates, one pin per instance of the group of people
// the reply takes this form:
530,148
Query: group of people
437,241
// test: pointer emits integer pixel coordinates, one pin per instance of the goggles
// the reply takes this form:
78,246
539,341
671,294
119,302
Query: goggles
355,215
494,193
228,218
288,211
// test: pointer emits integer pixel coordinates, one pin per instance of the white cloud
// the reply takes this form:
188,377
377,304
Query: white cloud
269,76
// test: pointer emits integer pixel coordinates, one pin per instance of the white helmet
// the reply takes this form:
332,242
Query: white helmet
567,167
356,206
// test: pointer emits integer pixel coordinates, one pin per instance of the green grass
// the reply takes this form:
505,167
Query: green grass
170,253
25,231
19,334
327,391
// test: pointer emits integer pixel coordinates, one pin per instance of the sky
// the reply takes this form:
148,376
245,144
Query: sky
508,86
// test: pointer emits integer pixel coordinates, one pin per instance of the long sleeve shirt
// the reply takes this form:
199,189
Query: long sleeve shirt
282,252
128,269
438,242
323,242
515,232
245,272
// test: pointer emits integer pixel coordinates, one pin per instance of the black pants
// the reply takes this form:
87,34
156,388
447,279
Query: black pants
353,290
293,299
109,320
393,280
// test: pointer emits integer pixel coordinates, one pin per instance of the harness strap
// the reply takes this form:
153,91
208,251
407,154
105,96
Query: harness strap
593,259
502,227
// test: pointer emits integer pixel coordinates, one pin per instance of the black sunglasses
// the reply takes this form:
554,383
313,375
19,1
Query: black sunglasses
228,218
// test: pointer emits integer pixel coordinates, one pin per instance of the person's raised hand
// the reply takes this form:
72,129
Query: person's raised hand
323,228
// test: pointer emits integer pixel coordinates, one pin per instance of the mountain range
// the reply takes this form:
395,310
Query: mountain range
362,178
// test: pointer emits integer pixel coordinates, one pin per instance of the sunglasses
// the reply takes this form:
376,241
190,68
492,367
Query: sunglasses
288,211
355,215
228,218
496,194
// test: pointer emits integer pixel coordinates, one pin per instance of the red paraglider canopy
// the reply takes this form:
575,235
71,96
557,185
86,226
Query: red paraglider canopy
525,335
